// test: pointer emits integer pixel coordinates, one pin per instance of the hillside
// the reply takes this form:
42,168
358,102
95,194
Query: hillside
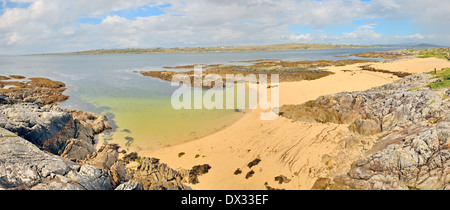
213,49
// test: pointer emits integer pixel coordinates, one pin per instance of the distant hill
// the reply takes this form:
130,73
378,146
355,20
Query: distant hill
415,45
275,47
425,45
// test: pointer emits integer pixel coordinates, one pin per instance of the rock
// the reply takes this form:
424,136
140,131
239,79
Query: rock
409,126
78,150
170,186
154,175
25,166
105,157
62,132
254,163
33,122
366,127
131,185
249,174
419,162
360,173
35,90
321,184
282,179
118,173
91,178
198,171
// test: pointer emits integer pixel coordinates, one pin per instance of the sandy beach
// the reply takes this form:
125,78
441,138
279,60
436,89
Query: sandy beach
298,151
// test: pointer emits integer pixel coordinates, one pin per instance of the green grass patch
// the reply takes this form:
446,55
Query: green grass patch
413,89
8,136
197,156
441,53
445,97
444,75
181,154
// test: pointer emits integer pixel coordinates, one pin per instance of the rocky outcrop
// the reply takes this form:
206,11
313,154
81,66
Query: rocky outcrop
44,147
374,111
24,166
420,160
63,132
288,71
33,90
152,175
410,127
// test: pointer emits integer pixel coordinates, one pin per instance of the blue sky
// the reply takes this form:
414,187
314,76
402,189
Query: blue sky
62,25
129,13
8,4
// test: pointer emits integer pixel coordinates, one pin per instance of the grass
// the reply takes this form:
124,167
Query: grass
445,97
414,89
181,154
441,53
8,136
444,75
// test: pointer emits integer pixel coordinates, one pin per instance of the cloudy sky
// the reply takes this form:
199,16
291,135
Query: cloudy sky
42,26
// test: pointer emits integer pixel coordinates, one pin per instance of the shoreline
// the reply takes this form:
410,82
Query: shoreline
234,147
205,49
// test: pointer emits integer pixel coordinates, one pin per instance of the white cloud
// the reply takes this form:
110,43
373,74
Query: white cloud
52,25
301,37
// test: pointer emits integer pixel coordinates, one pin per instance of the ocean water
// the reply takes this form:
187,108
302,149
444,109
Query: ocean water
140,107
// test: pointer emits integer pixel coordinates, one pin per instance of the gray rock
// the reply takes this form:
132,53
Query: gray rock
154,175
33,122
25,166
77,149
131,185
91,178
414,125
51,127
105,157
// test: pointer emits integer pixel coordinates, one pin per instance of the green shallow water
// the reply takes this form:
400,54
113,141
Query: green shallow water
152,123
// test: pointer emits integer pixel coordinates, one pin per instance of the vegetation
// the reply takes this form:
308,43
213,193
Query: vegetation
445,97
443,82
8,136
214,49
442,53
181,154
414,89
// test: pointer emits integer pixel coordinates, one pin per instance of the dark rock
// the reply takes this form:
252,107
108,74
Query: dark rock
198,171
282,179
237,172
254,163
249,174
131,157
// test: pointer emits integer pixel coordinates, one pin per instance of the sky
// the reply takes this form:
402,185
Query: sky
46,26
